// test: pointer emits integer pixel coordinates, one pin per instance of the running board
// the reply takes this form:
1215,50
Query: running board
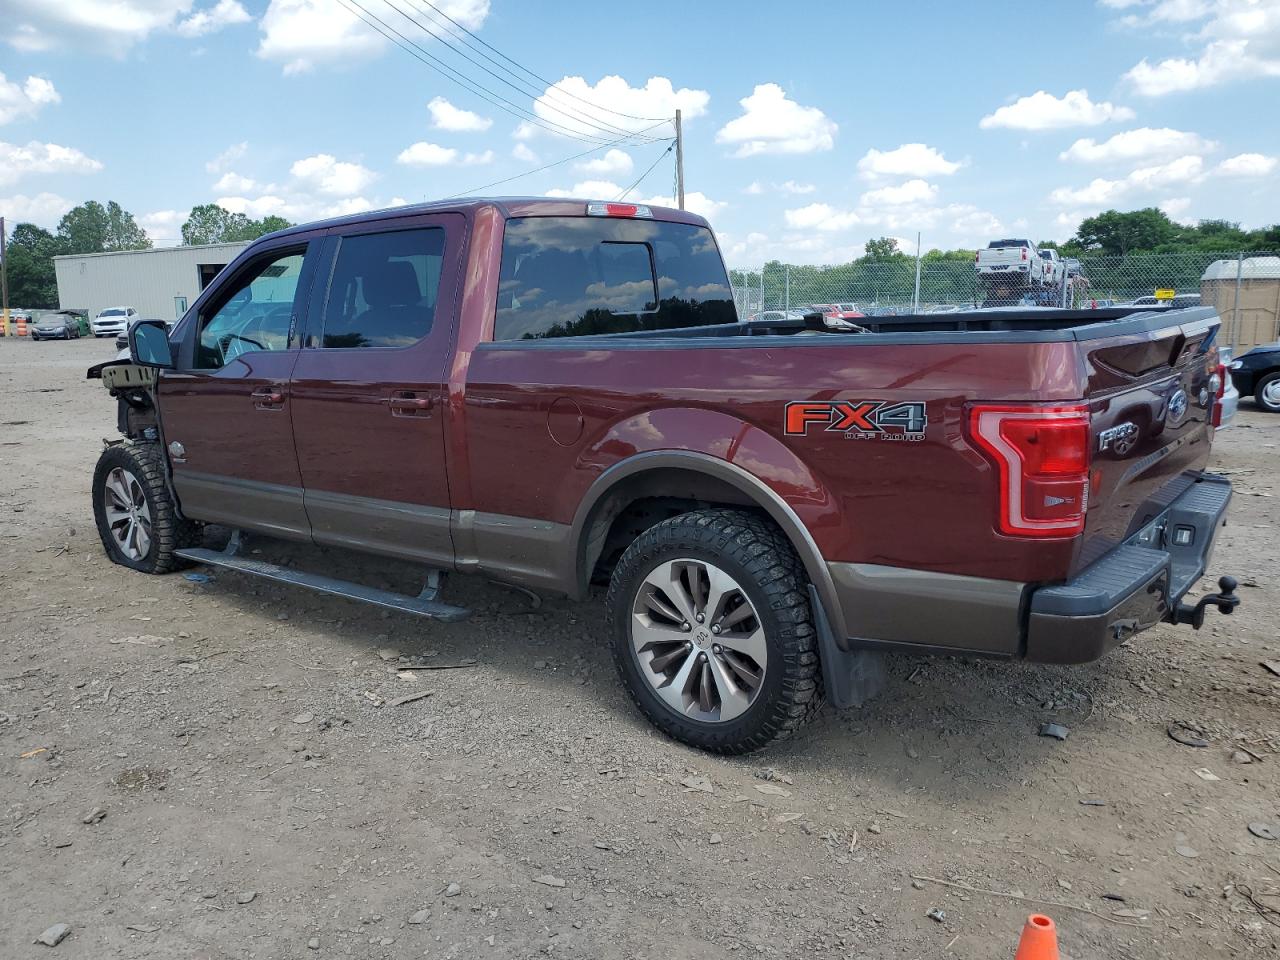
424,604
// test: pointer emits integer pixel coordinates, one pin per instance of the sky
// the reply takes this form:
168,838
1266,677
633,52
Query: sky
808,128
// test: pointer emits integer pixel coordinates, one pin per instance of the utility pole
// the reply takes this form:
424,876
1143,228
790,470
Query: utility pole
4,284
679,163
915,298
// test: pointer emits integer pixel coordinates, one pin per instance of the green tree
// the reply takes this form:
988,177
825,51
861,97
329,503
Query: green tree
29,255
210,223
1116,233
886,248
93,228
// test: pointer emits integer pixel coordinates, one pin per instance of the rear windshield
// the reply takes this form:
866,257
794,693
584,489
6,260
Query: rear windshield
577,276
999,244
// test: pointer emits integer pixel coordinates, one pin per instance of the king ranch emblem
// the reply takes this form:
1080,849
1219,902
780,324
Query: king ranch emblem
856,419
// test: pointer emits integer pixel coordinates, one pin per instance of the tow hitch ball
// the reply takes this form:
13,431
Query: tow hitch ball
1226,601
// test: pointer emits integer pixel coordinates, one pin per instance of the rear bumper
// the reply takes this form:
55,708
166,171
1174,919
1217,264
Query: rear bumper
1135,586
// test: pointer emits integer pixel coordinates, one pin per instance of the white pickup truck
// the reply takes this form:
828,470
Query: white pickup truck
1054,267
1013,258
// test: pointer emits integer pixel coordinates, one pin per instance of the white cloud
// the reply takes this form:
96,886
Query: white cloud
1238,39
103,27
913,191
773,123
227,157
42,209
1174,206
163,225
908,160
788,187
27,100
1043,111
231,182
525,130
561,105
17,161
1101,191
330,176
423,154
1246,165
694,201
589,190
613,162
1140,144
225,13
304,34
820,216
477,159
445,116
522,153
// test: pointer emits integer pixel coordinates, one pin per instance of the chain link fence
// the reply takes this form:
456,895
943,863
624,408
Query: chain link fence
1244,287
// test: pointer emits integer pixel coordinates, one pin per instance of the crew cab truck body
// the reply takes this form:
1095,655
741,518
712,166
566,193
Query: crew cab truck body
554,393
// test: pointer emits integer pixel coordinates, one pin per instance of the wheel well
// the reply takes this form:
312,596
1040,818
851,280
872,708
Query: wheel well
643,500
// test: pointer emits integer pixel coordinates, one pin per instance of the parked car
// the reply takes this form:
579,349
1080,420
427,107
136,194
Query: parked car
1258,373
1228,393
113,320
1073,267
768,504
52,325
82,320
1055,268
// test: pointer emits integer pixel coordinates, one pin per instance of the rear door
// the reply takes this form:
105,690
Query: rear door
225,409
367,391
1151,405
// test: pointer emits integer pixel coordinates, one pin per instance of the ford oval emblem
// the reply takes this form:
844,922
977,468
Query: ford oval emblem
1178,405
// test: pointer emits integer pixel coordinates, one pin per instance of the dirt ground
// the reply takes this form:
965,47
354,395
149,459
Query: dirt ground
217,769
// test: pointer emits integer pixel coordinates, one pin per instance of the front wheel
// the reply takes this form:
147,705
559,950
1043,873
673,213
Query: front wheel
136,517
712,632
1268,393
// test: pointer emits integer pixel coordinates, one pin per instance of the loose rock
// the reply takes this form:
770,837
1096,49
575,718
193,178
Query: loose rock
54,935
422,916
452,890
247,896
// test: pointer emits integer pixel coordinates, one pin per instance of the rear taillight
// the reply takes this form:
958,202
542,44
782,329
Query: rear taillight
1042,454
1220,390
1024,253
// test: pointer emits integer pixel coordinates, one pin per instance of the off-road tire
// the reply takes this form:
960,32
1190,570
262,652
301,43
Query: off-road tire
1259,394
169,531
754,552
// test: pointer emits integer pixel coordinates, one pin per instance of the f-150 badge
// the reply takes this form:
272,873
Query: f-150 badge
856,419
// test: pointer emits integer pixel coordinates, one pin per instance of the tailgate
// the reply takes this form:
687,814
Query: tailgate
1151,411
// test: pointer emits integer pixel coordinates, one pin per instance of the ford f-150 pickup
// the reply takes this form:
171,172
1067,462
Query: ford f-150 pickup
558,393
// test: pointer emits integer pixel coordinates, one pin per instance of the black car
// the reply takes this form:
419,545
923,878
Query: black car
1258,372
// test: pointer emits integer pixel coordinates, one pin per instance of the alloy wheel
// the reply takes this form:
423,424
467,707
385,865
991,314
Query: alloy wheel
128,516
698,640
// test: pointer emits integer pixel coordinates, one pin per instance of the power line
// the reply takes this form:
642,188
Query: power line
466,83
547,166
574,114
670,146
543,80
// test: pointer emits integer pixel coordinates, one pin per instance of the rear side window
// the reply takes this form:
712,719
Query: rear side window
577,276
384,289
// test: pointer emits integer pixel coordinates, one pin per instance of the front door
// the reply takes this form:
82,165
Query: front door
367,390
225,409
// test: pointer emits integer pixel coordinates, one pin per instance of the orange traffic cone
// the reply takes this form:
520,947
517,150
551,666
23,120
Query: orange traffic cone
1039,939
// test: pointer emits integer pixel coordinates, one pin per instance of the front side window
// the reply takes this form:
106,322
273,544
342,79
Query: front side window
255,315
384,289
578,276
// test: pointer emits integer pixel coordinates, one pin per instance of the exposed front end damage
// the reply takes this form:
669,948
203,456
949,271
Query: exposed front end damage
133,386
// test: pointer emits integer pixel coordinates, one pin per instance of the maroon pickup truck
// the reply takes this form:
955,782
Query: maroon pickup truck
557,394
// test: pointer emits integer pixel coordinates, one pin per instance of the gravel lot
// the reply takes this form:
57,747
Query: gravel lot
209,770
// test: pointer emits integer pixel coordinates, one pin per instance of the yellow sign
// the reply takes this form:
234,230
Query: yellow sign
1165,294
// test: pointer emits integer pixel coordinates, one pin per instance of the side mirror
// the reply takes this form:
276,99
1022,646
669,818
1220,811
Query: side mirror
149,344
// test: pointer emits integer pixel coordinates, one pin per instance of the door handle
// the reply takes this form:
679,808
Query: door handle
268,398
406,403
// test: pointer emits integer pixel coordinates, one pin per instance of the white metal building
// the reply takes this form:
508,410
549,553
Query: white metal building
160,282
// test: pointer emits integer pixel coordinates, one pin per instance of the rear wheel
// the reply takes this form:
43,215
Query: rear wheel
136,517
712,631
1268,392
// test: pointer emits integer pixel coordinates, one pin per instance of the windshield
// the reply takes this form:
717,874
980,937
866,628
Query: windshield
111,313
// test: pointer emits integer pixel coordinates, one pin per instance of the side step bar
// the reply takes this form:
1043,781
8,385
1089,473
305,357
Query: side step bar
424,604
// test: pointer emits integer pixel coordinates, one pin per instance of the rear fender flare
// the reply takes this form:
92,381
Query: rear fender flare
773,465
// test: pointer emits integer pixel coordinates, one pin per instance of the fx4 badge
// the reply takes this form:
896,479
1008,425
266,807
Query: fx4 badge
857,419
